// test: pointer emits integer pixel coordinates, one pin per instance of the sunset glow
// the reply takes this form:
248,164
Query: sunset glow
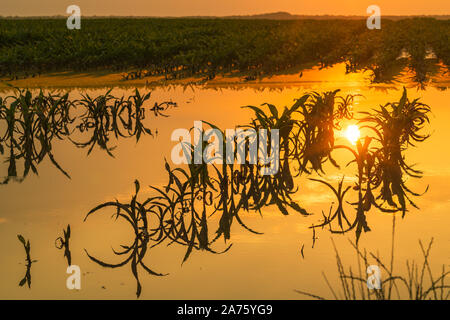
233,7
352,133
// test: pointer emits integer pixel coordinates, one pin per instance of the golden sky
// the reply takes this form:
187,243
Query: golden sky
220,8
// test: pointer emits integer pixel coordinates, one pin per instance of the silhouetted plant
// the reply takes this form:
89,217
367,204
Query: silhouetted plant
414,284
397,126
27,246
61,242
381,163
32,123
135,214
181,211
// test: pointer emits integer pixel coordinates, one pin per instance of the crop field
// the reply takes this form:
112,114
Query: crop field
224,158
179,48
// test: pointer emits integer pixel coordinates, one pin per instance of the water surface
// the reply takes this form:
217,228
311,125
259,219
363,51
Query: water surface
268,266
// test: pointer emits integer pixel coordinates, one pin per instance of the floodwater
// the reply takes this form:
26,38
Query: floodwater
267,266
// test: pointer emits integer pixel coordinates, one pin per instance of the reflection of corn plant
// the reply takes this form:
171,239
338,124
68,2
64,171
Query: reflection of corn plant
106,114
307,128
317,128
414,284
381,164
135,214
339,212
397,126
280,186
64,243
158,108
33,122
31,125
27,246
182,209
184,205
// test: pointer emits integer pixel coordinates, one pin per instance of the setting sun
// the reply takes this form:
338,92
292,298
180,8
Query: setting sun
352,133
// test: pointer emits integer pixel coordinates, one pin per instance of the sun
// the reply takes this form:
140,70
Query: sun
352,133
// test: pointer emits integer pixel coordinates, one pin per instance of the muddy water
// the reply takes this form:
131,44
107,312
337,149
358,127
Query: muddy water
267,266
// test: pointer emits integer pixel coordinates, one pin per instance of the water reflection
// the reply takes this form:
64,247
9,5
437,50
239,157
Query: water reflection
31,124
238,189
181,211
135,213
64,242
27,246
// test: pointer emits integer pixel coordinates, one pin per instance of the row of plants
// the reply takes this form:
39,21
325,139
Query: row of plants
178,48
30,124
201,202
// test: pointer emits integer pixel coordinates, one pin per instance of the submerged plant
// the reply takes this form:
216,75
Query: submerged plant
33,123
27,246
320,119
61,242
135,214
380,161
181,212
397,126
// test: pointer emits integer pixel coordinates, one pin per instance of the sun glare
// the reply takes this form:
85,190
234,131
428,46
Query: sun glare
352,133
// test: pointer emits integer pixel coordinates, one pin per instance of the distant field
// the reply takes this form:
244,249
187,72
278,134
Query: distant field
179,48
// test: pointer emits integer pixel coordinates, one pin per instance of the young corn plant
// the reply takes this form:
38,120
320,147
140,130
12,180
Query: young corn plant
27,246
31,123
64,242
135,214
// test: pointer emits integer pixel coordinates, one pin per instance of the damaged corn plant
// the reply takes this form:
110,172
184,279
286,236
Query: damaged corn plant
382,170
135,214
30,124
28,262
182,211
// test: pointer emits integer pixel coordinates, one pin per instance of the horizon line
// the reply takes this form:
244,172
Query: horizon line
285,13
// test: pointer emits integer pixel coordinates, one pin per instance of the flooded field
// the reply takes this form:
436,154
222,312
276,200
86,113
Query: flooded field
288,255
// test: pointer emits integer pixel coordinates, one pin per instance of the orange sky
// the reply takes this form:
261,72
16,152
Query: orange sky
219,8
